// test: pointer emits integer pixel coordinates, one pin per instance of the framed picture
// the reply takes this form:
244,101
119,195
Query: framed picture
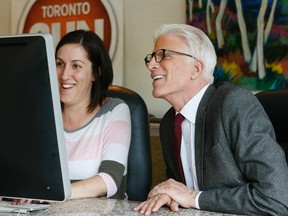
250,38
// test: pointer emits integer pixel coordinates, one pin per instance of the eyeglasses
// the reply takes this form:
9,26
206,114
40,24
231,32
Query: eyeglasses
160,55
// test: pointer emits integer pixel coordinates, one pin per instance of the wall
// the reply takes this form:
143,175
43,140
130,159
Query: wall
5,17
141,17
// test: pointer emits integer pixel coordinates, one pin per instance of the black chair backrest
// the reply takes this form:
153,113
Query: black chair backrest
139,177
275,103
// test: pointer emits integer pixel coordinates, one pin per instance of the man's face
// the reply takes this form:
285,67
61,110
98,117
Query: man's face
172,76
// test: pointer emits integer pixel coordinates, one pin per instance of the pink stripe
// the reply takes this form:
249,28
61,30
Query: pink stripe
110,184
118,132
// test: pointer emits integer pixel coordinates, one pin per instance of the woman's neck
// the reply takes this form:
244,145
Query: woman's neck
75,118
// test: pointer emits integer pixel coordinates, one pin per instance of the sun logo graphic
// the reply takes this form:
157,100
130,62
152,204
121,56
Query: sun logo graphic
59,17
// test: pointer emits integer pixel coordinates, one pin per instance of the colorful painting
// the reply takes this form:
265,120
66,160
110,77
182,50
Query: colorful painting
250,38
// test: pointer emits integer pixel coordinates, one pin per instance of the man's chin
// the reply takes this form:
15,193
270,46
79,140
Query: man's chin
156,94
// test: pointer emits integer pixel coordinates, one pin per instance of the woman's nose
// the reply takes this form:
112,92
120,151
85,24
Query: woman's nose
65,73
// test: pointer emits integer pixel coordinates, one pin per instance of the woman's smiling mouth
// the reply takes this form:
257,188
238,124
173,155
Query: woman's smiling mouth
67,86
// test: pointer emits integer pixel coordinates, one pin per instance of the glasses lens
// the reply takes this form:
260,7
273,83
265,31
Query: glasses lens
148,58
159,55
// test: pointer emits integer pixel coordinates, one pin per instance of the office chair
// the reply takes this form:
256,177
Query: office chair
139,177
275,103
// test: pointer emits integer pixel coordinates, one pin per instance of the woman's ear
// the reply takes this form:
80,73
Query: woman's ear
100,71
99,74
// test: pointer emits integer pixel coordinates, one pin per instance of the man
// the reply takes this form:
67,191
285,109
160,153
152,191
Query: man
229,156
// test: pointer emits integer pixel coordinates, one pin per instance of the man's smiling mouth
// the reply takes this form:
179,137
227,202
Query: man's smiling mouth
157,77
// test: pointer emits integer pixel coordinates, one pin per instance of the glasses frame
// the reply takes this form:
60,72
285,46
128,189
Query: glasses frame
150,56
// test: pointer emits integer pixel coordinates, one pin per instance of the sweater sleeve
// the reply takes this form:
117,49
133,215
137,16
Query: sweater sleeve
116,138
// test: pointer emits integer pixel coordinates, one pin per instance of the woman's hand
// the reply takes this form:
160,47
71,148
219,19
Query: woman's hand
21,201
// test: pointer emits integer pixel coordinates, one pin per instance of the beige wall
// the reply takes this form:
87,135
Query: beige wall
5,17
141,17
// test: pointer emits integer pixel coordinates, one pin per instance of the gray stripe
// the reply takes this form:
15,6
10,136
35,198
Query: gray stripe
116,171
109,105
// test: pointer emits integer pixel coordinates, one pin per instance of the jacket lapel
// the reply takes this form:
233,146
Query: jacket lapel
200,134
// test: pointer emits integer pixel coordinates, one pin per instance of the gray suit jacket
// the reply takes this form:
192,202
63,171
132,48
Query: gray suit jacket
240,167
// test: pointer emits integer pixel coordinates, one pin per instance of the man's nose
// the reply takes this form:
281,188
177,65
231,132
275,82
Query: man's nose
153,63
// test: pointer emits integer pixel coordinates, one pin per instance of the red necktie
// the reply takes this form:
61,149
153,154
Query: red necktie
177,144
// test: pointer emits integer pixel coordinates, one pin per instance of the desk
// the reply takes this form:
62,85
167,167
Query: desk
96,207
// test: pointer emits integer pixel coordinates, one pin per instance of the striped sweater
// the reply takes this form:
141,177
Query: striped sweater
101,147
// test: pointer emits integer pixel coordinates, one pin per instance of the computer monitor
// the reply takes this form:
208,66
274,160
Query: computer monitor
33,163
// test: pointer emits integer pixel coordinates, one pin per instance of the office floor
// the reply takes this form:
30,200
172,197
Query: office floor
158,167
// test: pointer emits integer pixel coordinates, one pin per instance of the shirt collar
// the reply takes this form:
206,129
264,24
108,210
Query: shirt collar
190,109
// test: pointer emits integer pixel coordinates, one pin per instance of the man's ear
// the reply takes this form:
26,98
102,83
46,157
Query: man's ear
197,70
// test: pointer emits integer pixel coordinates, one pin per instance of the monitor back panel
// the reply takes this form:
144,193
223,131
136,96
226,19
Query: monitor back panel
33,160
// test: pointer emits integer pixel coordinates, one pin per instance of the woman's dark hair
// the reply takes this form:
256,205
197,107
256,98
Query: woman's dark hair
102,69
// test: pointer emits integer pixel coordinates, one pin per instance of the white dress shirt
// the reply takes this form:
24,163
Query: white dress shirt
188,141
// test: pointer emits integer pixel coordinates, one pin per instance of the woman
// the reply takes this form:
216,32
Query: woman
97,128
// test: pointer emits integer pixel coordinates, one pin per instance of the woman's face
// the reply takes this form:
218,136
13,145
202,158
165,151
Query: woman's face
74,75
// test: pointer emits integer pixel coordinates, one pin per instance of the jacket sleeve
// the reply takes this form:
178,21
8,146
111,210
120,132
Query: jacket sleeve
247,130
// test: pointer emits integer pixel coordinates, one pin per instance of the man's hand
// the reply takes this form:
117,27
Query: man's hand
170,193
153,204
177,191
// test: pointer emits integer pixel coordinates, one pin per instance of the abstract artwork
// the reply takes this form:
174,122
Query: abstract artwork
250,38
